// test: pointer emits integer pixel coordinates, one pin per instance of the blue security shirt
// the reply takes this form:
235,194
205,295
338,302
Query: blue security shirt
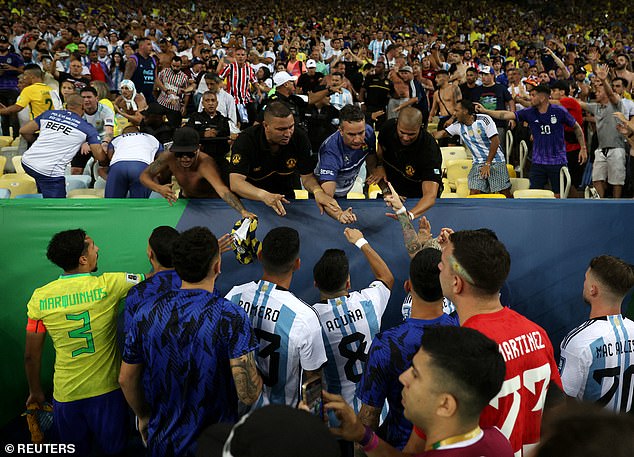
340,163
391,354
185,341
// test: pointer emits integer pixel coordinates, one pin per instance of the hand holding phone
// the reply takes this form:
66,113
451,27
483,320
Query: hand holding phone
312,396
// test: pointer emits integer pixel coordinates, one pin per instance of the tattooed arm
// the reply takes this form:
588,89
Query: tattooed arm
369,415
246,377
209,171
412,244
149,175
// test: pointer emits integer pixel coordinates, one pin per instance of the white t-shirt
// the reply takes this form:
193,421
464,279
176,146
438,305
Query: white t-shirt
61,135
100,119
289,336
135,146
348,325
597,360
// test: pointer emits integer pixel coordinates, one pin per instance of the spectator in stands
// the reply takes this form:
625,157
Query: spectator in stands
197,174
609,157
36,95
593,354
129,155
546,123
89,408
11,65
241,81
478,133
130,104
62,132
445,100
141,69
175,89
452,378
176,404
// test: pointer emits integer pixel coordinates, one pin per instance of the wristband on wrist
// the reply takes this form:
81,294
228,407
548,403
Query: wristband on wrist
361,242
400,211
411,215
372,445
367,436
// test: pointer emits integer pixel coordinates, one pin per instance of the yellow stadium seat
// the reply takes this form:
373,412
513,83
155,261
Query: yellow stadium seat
85,193
457,169
17,164
462,187
486,196
519,184
16,142
3,162
533,193
432,127
301,194
9,152
452,153
511,171
18,184
5,141
373,191
449,195
355,196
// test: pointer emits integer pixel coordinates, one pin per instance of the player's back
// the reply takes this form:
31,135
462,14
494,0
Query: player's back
289,336
530,368
597,362
349,324
79,312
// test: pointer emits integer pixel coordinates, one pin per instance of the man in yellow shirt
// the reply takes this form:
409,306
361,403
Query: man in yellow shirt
79,311
37,95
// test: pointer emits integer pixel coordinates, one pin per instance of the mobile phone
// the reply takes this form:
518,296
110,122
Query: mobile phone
312,397
385,189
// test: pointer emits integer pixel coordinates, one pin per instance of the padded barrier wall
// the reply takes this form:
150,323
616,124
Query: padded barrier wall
550,241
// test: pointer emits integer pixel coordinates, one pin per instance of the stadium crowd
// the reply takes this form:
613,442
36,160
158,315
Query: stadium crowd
256,101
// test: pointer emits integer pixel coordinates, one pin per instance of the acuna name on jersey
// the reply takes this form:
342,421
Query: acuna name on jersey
346,319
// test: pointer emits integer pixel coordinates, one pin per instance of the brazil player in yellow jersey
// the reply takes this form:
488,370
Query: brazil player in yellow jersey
36,95
79,312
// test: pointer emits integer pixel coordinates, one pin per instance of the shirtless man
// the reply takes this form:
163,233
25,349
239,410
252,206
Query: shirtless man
197,174
445,100
621,70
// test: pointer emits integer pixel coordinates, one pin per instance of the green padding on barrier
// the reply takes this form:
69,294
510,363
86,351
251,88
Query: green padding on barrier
120,229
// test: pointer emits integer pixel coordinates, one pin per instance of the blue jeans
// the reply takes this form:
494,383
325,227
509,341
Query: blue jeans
123,177
48,186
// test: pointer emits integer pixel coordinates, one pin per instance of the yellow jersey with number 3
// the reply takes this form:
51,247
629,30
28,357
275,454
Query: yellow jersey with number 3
80,314
38,97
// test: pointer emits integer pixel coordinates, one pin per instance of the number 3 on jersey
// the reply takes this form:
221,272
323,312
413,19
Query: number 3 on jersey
270,351
83,332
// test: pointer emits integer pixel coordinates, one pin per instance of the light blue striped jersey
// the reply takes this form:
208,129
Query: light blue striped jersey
289,337
348,326
597,362
477,137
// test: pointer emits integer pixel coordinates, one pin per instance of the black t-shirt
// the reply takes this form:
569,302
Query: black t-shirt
252,157
218,146
466,91
321,123
79,83
308,83
295,103
407,167
377,91
494,97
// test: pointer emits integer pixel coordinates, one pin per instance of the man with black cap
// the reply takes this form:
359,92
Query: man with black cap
197,174
11,65
154,123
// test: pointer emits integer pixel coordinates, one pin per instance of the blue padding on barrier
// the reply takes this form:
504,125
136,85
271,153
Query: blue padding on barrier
550,241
